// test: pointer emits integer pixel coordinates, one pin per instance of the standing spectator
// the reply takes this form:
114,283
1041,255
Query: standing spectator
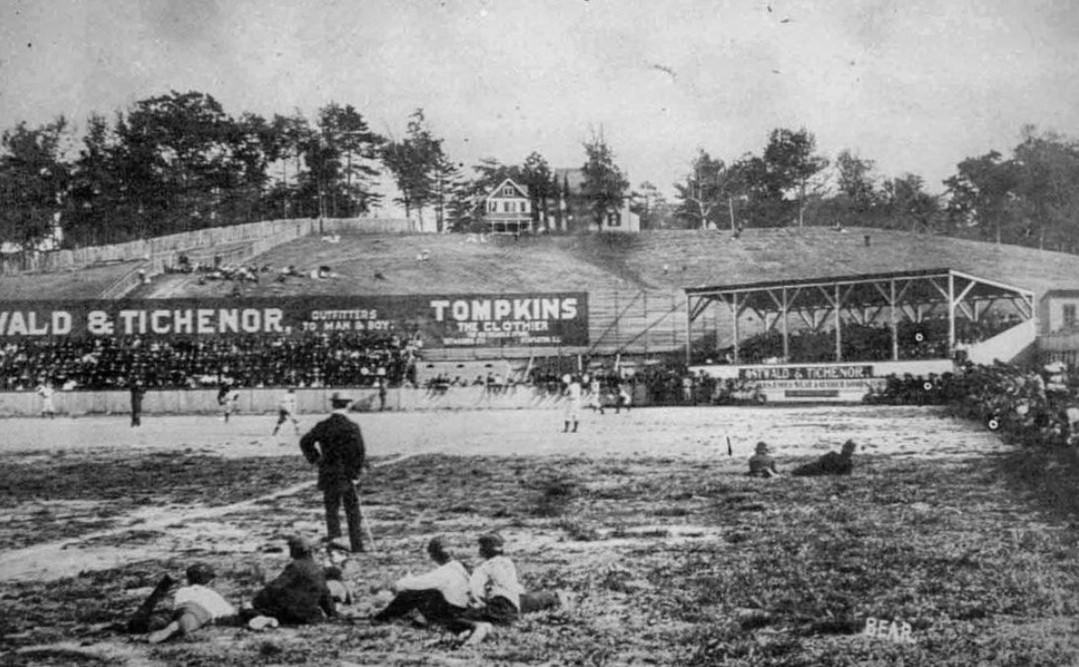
137,392
228,397
335,445
46,392
573,402
624,399
286,411
381,394
595,394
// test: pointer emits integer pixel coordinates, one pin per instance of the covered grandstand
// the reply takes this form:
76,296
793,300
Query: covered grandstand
914,322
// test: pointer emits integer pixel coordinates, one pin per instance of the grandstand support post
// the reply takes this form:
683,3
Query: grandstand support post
786,337
838,335
689,331
893,322
951,315
734,323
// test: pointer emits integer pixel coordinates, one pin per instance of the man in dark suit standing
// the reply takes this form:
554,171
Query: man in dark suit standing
335,444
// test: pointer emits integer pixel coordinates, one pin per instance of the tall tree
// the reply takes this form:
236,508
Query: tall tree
981,193
605,186
345,158
415,163
908,203
34,181
649,203
1047,166
791,164
538,177
706,195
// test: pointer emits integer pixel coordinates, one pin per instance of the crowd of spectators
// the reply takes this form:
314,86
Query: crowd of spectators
313,360
1027,406
927,339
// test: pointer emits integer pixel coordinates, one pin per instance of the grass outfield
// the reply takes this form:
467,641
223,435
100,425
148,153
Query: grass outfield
675,558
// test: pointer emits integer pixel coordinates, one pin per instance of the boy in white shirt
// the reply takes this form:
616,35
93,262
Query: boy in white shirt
194,606
441,595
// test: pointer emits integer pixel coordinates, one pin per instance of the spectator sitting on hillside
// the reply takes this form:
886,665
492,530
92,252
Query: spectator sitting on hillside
194,606
299,594
761,464
440,595
830,464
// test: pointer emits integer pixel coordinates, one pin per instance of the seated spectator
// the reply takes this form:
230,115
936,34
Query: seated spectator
194,606
441,595
299,595
830,464
496,597
761,464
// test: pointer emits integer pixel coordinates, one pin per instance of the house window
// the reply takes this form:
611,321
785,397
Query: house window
1069,316
508,191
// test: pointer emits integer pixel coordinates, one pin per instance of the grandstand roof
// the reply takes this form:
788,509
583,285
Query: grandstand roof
867,290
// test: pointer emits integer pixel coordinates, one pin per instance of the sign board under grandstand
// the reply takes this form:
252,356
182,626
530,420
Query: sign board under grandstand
446,320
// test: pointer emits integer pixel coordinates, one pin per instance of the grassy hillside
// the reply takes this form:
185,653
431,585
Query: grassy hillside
389,264
85,284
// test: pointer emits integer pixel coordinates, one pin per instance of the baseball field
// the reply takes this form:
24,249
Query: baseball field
950,546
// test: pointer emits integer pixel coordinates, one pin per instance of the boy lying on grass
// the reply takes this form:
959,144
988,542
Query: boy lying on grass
194,606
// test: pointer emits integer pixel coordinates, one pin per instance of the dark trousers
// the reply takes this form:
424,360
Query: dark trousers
334,494
498,611
146,618
429,602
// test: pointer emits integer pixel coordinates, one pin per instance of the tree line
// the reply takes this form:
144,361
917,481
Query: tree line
1030,198
178,162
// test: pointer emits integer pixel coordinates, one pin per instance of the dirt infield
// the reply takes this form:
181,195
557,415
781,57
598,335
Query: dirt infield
674,557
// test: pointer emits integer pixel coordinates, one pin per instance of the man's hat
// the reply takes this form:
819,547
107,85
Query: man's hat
762,447
339,400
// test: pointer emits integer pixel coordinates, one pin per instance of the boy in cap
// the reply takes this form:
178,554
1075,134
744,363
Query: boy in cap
761,464
441,594
299,595
335,445
194,606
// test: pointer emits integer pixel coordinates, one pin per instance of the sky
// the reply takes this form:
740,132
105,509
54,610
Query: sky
915,86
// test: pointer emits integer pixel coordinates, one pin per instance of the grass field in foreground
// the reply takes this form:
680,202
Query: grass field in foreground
673,562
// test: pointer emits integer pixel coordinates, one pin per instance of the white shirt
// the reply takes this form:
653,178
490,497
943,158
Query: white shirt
450,579
496,577
207,598
574,391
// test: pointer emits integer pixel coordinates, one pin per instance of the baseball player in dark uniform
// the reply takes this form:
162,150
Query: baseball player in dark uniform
335,444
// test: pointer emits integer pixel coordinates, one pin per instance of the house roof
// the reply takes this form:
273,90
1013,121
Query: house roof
1061,293
496,191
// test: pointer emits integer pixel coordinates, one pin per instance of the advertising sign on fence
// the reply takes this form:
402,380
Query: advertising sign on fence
459,320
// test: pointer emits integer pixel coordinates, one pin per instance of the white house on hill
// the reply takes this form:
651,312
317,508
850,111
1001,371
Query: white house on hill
507,208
